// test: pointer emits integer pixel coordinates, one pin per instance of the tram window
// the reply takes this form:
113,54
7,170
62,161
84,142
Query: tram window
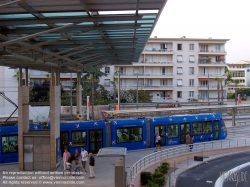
122,135
197,128
130,134
224,126
173,131
9,144
136,134
78,138
207,127
216,125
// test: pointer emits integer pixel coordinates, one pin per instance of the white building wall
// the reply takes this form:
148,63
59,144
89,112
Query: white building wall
8,85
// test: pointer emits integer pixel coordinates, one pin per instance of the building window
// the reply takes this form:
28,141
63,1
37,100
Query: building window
179,94
107,70
204,48
191,94
179,82
179,58
191,58
179,47
107,82
217,47
179,70
163,71
191,47
191,82
122,70
164,46
191,70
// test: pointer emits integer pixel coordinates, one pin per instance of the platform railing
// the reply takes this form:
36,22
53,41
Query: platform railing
174,151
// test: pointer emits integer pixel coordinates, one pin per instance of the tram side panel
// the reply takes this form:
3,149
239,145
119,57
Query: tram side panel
91,135
9,144
129,133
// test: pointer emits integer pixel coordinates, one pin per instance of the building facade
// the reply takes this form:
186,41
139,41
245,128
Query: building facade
176,69
240,71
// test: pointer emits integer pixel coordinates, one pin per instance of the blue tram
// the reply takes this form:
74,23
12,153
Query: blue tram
173,129
130,133
90,134
9,145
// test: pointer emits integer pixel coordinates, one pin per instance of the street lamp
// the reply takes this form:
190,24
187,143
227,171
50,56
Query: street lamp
118,88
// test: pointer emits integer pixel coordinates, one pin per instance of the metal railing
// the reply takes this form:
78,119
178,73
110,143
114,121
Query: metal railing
175,151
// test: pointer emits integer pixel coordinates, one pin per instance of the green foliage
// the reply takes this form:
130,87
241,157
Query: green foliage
145,177
230,96
164,167
152,184
158,179
143,96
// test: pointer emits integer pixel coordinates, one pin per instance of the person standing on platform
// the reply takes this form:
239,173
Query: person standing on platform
187,140
91,166
157,142
66,156
84,155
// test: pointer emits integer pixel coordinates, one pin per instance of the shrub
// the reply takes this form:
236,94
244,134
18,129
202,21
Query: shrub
158,178
152,184
145,177
164,167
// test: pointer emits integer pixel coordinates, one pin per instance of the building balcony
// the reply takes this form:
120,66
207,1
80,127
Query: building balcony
211,87
145,75
206,63
212,52
147,87
212,75
158,51
146,63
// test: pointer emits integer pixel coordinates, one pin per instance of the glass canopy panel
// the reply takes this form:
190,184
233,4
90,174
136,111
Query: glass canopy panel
64,14
145,21
16,16
117,22
31,26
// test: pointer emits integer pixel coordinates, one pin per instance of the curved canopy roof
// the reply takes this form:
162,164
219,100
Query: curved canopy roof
75,35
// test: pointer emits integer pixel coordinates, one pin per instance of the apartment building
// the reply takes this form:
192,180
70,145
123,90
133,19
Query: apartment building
240,71
176,69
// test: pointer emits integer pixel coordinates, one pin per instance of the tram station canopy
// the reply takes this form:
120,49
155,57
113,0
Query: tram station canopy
75,35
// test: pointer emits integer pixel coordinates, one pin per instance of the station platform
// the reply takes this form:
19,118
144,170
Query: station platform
104,168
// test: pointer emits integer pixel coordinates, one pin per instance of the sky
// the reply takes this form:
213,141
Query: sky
219,19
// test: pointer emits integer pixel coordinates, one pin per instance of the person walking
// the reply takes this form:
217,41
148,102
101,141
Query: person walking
91,166
84,155
187,140
66,156
157,142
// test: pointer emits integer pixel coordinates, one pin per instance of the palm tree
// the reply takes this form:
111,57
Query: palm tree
93,77
17,76
114,82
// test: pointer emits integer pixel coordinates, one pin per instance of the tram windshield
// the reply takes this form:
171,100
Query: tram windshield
224,126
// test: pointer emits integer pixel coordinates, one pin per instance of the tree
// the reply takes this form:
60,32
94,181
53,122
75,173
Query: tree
229,76
143,96
93,77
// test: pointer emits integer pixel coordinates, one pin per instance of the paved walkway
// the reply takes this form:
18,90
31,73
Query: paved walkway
104,169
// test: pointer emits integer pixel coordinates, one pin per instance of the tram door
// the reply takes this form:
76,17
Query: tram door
185,127
95,140
64,136
216,130
161,130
